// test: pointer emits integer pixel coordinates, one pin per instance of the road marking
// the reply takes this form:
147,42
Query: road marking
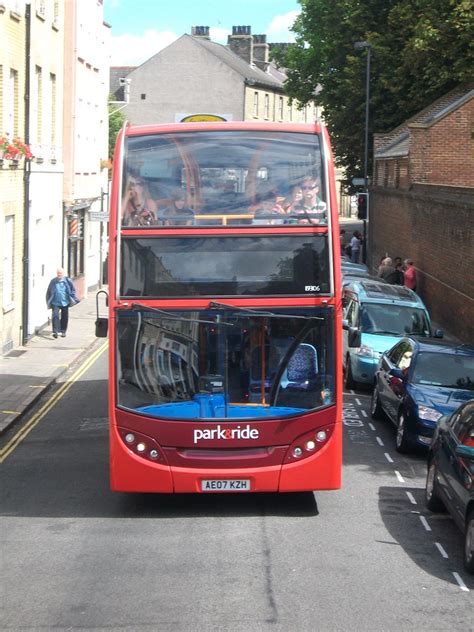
399,476
379,441
364,414
371,426
441,550
462,585
37,417
36,385
10,412
424,522
358,402
411,498
388,457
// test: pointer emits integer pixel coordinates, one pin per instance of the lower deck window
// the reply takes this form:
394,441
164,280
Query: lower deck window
225,362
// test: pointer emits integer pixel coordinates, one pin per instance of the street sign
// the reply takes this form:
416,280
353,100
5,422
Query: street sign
360,182
97,216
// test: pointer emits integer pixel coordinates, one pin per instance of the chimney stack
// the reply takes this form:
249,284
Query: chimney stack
260,52
200,31
241,43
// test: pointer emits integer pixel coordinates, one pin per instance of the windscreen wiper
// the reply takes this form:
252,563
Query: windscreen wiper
140,306
254,312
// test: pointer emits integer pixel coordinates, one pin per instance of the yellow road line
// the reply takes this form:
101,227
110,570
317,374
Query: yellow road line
37,417
9,412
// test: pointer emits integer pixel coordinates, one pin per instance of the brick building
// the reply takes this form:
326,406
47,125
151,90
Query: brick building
422,205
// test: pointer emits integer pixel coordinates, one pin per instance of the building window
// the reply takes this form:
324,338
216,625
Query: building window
52,80
8,265
76,245
290,107
143,97
36,106
280,108
255,104
11,122
266,111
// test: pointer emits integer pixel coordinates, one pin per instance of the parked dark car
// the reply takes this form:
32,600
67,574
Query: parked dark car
416,382
450,477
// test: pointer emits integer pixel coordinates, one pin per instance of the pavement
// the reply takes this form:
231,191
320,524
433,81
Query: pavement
28,371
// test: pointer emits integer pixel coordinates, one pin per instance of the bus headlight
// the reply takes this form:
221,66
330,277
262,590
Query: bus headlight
308,444
141,445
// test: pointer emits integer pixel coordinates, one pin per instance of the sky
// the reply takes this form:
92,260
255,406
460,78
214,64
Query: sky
141,28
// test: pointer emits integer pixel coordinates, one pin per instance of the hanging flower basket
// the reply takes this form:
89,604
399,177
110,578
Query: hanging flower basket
14,149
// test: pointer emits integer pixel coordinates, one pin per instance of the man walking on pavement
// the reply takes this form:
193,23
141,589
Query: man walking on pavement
61,295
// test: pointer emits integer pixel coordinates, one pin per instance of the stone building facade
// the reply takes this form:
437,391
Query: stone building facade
422,205
194,75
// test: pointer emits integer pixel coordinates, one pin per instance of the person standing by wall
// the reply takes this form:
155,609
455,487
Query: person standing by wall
60,295
409,274
355,242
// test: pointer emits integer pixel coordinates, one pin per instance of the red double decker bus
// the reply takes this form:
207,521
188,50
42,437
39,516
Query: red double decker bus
224,310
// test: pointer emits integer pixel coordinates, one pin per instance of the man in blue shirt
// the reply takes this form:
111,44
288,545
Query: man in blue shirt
61,295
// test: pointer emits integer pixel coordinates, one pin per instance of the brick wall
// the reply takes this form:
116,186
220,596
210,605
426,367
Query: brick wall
433,225
443,153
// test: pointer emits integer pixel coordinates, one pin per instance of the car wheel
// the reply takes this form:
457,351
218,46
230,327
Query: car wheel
469,543
376,409
432,499
349,380
402,443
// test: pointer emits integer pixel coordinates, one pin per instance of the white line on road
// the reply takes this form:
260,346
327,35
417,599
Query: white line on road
424,522
388,457
399,476
441,550
371,426
358,402
364,414
462,585
379,441
411,498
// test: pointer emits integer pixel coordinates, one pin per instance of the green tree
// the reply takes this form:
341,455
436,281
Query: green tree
420,49
116,121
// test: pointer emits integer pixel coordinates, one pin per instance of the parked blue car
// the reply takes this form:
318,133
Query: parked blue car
419,381
450,476
376,316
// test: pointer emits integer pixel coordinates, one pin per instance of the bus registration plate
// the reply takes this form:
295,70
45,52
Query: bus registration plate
225,485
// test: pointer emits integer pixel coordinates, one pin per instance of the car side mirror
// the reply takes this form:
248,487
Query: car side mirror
465,451
354,338
397,376
438,333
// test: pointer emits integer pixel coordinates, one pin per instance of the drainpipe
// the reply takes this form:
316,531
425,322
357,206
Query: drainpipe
26,179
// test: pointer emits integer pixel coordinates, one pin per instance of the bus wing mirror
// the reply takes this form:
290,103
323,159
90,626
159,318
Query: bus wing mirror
101,322
345,325
101,327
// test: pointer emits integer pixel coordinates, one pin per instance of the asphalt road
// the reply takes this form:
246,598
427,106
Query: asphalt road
77,557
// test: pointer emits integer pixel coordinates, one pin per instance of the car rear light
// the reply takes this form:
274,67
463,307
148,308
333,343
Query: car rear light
141,445
308,444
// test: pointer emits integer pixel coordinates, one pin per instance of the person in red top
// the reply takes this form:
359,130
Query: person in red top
409,274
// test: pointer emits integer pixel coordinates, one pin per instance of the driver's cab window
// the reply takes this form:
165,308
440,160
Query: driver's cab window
405,360
396,353
352,313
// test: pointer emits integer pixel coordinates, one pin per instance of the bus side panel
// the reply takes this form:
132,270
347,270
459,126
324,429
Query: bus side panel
319,472
130,473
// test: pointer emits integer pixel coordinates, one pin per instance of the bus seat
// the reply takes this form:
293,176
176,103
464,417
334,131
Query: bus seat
302,370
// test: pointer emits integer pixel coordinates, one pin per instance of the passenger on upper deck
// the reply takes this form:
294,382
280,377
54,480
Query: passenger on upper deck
314,209
178,214
267,208
138,208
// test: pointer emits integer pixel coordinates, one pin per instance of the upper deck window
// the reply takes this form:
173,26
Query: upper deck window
223,178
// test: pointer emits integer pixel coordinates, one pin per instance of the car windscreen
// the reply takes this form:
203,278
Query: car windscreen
393,319
443,369
157,267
